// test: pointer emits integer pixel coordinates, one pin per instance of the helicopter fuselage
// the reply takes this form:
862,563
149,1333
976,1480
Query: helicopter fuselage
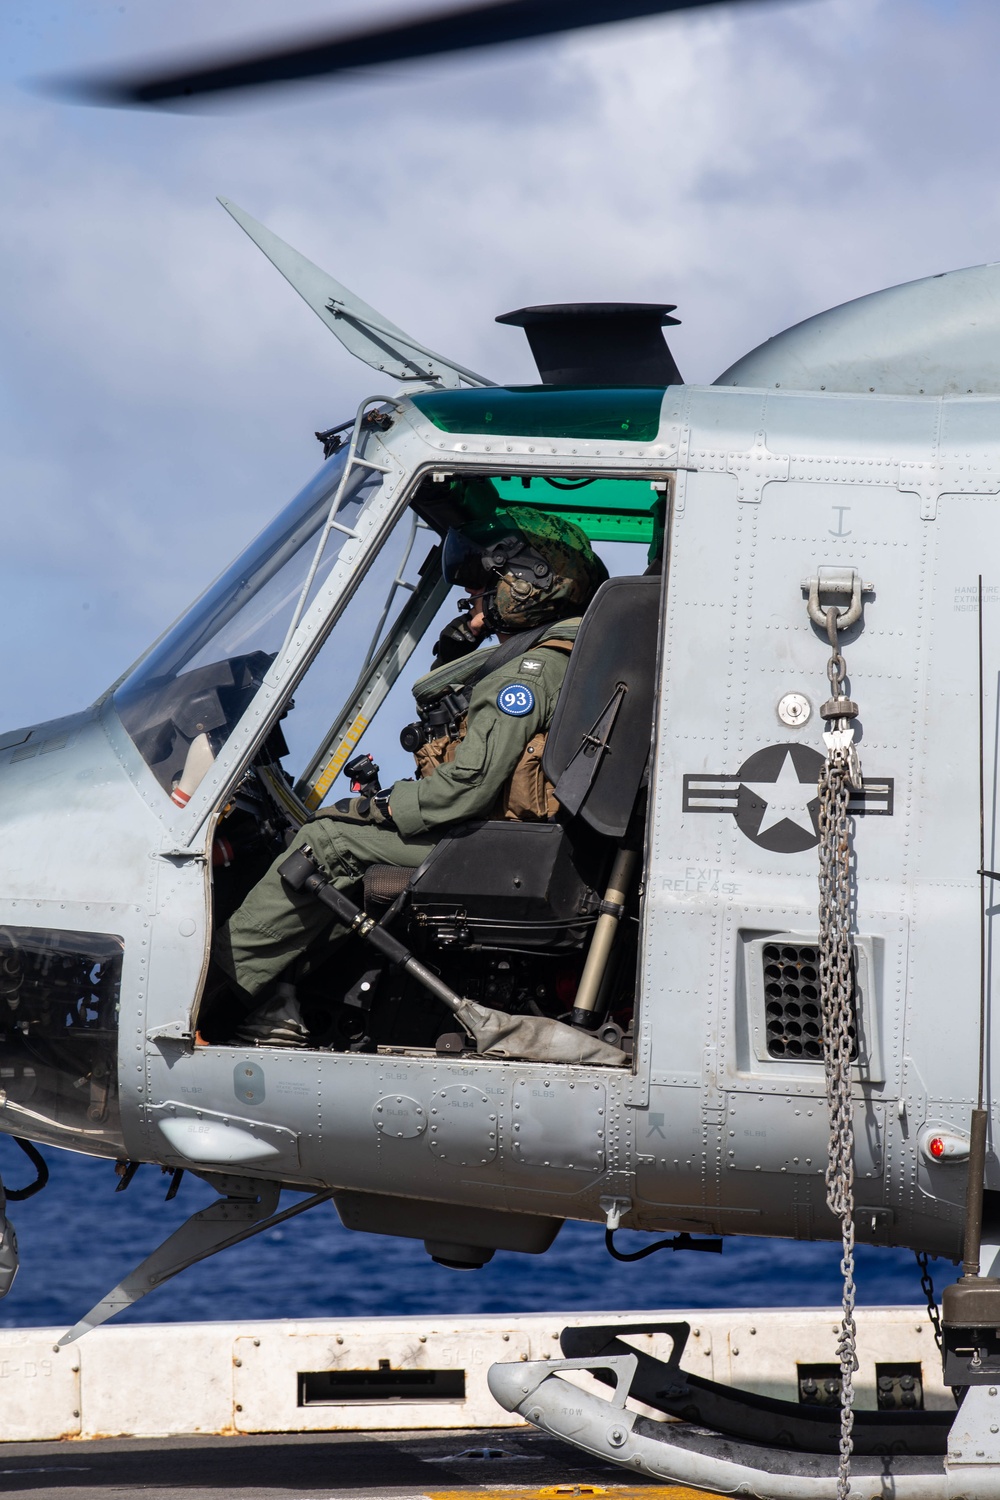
719,1122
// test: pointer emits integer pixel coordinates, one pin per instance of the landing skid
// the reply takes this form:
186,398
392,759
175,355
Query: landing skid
732,1441
738,1414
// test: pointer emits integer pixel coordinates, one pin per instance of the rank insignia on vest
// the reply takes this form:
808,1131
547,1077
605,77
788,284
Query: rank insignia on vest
515,699
530,664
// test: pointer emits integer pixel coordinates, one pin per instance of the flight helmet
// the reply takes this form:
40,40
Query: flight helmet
541,566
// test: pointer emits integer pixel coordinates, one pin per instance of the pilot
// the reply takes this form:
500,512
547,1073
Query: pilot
483,719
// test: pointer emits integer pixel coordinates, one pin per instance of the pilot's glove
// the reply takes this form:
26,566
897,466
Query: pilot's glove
456,640
371,810
378,808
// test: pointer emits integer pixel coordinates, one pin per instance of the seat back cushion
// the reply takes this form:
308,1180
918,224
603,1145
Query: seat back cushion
616,646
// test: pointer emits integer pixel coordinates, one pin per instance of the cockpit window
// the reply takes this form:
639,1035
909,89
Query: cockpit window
184,698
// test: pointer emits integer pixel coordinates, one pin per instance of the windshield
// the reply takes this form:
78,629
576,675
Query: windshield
184,698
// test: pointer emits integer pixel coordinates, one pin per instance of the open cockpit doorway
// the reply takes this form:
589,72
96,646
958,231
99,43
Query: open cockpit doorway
505,907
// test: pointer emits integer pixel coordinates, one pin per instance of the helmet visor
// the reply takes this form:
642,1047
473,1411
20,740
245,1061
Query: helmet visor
462,560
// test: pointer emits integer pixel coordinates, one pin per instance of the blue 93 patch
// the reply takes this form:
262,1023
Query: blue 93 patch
515,699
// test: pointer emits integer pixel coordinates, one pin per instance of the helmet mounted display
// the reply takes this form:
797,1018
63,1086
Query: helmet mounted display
471,564
533,567
462,560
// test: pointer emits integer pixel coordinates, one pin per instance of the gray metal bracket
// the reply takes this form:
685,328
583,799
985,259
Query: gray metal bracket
974,1444
247,1208
172,1031
842,583
621,1367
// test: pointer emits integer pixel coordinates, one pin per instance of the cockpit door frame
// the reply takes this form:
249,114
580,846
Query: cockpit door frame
194,824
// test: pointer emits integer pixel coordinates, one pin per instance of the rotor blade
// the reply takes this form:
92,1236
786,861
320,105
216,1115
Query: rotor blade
430,35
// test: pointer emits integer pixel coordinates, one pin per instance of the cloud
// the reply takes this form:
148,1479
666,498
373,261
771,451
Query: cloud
161,383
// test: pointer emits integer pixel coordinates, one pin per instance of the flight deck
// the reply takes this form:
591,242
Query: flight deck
449,1465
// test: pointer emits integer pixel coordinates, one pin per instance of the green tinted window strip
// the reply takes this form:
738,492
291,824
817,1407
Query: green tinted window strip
610,510
606,528
611,528
626,415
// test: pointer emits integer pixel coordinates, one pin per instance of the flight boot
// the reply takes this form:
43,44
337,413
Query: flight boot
277,1023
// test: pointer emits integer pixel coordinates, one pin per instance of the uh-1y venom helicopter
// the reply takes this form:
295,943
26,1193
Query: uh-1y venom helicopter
840,481
631,1014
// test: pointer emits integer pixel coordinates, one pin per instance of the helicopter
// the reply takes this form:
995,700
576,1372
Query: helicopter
653,956
616,1015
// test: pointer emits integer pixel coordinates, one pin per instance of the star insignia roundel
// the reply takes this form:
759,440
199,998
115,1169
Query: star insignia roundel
774,797
777,804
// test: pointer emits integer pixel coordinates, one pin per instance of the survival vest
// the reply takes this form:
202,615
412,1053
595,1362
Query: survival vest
443,698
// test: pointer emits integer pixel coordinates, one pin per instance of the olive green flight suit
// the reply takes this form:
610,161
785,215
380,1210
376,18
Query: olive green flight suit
275,924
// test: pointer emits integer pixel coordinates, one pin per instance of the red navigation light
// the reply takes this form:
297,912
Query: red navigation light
936,1146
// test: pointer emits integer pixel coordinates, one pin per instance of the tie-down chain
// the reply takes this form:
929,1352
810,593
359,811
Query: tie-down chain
841,773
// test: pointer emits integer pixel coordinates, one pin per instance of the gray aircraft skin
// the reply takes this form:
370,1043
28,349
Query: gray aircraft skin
864,443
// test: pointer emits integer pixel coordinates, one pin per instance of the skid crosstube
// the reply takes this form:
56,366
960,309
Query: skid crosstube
682,1454
737,1414
688,1454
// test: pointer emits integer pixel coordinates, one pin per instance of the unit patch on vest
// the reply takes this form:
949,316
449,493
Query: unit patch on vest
515,699
530,664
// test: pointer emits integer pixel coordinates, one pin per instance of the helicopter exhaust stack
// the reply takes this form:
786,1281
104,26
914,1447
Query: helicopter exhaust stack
599,343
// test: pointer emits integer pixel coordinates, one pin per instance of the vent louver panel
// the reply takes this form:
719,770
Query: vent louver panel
791,1002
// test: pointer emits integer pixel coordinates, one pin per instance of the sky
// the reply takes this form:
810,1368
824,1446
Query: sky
160,383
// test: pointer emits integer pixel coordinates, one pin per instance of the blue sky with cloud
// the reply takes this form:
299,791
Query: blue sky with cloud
159,383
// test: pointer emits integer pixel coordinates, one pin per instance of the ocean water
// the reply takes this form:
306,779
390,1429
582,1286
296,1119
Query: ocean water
79,1237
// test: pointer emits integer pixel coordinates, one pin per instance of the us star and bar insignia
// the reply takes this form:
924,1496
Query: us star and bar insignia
773,797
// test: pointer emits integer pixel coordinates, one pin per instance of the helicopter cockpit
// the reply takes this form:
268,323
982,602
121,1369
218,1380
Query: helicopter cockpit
504,911
236,726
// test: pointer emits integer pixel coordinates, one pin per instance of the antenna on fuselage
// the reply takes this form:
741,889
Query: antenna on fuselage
362,330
